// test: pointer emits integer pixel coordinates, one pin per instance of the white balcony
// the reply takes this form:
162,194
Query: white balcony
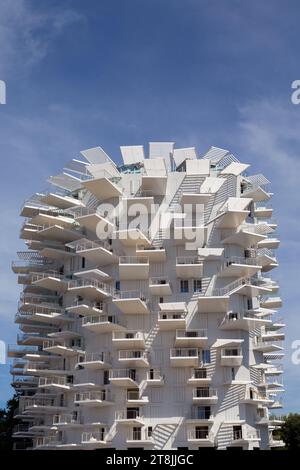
66,421
267,346
132,236
155,183
94,398
55,383
195,199
245,321
205,395
168,321
49,442
91,289
62,201
196,338
271,302
189,230
129,417
138,358
93,220
184,357
132,302
102,323
263,212
252,397
242,436
128,339
213,304
58,233
133,268
100,254
154,253
154,378
43,406
95,439
95,361
270,243
123,377
159,286
233,214
103,187
138,437
244,237
85,307
201,437
231,357
200,376
134,397
200,415
144,198
51,280
189,267
61,348
239,267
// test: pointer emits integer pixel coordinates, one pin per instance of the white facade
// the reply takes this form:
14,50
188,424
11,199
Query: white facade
148,316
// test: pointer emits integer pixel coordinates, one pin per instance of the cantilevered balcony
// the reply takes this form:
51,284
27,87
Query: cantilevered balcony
213,303
91,289
93,220
233,213
239,267
42,405
144,198
156,254
99,253
189,230
95,439
94,398
45,369
55,383
47,442
205,395
184,357
123,377
231,356
39,314
58,232
99,360
262,211
243,321
128,339
136,357
131,235
243,286
132,302
171,321
160,286
129,417
134,397
267,346
193,338
51,280
63,421
14,350
270,243
103,323
189,267
200,415
62,200
154,378
201,436
139,437
253,397
270,302
104,187
244,237
85,307
200,376
62,348
133,267
244,436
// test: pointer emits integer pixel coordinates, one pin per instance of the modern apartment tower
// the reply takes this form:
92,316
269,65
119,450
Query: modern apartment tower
148,318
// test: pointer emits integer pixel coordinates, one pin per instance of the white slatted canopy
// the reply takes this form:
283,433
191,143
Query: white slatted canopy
132,154
65,181
96,155
235,169
180,155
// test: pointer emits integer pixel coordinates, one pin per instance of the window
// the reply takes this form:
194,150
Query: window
203,412
237,432
118,285
83,262
161,300
200,373
184,286
197,285
201,432
205,356
150,430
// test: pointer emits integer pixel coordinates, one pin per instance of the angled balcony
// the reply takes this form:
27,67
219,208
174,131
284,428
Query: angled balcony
51,280
191,338
99,253
95,439
65,421
123,377
136,358
63,200
144,198
245,321
168,321
133,268
104,187
231,355
131,236
253,397
128,339
160,286
132,302
270,302
243,436
236,266
14,350
85,307
205,395
213,303
184,357
134,397
200,415
262,212
189,230
103,323
95,361
93,220
244,237
62,348
139,437
94,399
233,213
190,267
270,243
33,406
91,289
267,346
155,254
55,383
58,232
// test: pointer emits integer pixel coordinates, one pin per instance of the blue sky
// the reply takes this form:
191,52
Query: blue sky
115,72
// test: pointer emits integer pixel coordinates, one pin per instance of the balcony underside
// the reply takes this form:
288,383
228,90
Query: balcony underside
213,304
239,270
102,188
98,256
95,222
132,306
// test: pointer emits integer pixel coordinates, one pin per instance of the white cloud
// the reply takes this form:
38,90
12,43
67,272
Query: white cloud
26,34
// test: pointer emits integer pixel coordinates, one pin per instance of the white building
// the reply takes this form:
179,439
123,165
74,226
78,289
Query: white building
148,316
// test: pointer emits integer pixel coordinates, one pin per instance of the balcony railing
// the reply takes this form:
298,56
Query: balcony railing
154,374
204,392
132,294
184,352
65,419
128,414
98,319
122,374
136,354
92,283
188,260
47,381
47,441
95,357
195,434
241,434
100,395
93,436
133,260
138,435
183,334
128,335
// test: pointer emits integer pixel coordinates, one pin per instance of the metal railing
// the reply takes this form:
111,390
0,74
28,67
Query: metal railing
191,334
195,434
46,381
127,335
204,392
98,319
100,395
134,260
91,283
95,357
154,374
184,352
65,419
122,374
93,436
189,260
131,294
133,354
231,352
171,316
128,414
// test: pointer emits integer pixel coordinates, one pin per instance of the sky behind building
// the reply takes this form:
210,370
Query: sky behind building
114,72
